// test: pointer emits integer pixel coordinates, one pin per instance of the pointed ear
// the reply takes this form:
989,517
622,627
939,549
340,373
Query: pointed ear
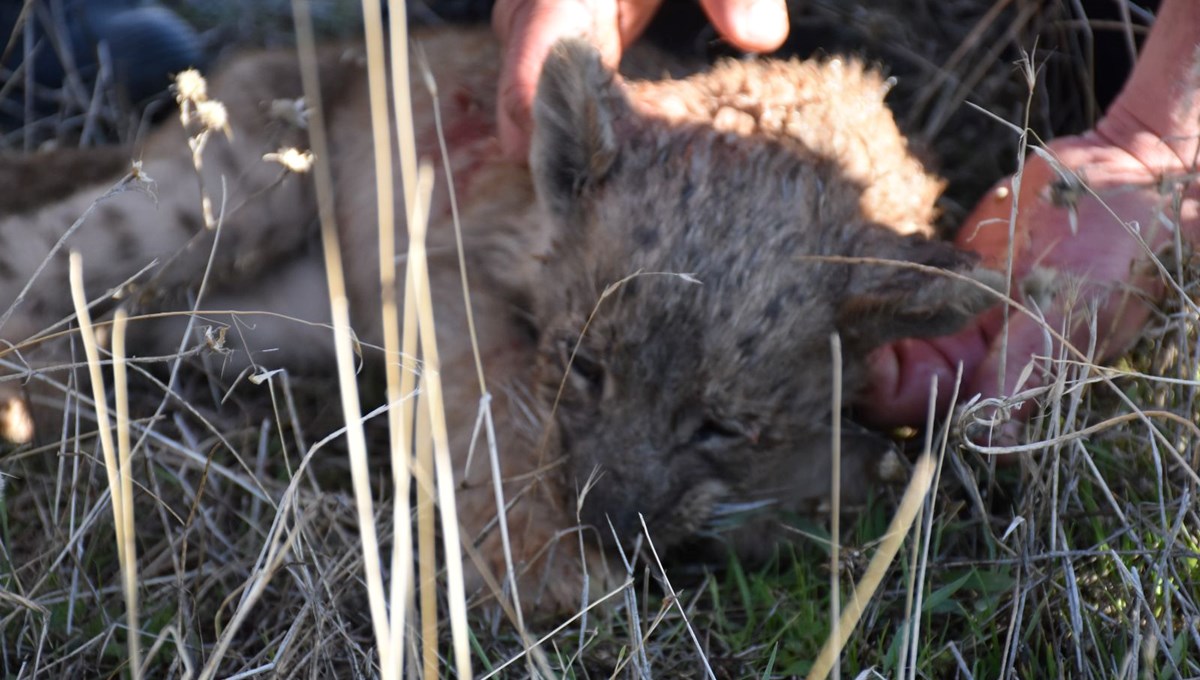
574,146
886,302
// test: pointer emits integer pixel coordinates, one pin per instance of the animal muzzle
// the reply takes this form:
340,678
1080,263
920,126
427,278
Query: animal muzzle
611,507
621,510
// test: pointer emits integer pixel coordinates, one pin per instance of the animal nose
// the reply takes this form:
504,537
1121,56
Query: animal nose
609,509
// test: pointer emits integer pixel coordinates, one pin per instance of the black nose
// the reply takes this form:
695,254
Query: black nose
609,509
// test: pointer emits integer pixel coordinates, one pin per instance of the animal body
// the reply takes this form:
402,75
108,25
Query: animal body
650,293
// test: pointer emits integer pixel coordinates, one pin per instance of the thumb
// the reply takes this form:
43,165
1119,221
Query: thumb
751,25
902,373
1006,368
1012,365
527,30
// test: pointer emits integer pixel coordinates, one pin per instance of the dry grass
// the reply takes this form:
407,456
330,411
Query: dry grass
1080,560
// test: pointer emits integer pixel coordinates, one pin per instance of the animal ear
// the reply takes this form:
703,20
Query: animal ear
887,302
574,145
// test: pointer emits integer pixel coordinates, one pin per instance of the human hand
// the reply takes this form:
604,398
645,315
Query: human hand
1076,245
528,28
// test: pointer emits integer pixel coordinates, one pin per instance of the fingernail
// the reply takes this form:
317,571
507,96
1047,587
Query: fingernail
763,25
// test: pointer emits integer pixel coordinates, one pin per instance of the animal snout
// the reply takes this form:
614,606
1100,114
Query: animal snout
610,505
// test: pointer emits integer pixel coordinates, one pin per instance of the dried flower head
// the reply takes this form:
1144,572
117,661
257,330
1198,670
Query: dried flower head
292,159
213,116
190,86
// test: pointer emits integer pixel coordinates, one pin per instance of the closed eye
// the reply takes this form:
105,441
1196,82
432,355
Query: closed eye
589,370
712,431
585,374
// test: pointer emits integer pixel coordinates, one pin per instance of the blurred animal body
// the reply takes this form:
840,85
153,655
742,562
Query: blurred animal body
654,295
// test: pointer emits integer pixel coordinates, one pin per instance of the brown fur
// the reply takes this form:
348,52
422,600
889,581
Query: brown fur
41,178
683,400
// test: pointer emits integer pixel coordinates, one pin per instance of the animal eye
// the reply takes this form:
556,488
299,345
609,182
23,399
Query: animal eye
585,373
587,369
712,431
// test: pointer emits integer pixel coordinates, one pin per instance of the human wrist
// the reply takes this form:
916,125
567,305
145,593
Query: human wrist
1168,166
1156,117
1161,147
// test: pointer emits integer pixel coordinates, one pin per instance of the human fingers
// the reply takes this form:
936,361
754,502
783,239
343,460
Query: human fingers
751,25
1081,275
902,373
527,30
633,16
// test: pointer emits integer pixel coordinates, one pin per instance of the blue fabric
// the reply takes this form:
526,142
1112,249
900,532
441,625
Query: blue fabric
146,44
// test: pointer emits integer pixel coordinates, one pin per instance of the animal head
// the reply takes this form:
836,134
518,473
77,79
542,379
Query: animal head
690,299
